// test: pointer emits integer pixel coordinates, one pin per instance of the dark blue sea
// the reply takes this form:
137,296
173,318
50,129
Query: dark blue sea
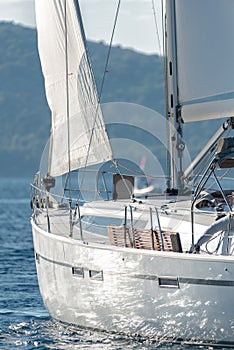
24,321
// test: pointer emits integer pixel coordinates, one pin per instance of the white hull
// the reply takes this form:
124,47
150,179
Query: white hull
108,259
118,289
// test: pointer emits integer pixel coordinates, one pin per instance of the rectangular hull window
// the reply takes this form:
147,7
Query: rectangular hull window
96,275
78,272
168,282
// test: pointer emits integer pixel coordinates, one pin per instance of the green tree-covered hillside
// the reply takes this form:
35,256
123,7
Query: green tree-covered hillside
25,116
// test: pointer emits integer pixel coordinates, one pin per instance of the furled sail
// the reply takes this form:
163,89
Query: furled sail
78,136
205,58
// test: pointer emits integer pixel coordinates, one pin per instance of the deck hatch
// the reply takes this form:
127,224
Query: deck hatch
168,282
96,275
78,272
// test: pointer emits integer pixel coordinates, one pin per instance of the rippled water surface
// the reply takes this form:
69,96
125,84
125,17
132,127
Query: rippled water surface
24,322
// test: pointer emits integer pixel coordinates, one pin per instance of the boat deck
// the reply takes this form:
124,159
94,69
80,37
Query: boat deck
102,222
59,221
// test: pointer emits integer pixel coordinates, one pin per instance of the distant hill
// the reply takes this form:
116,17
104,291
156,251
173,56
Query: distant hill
24,114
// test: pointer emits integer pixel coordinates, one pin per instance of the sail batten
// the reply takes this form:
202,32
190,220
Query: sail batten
67,71
205,56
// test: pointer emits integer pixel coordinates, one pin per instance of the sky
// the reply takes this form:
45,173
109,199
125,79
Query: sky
135,26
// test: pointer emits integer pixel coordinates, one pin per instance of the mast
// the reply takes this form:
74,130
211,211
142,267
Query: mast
176,143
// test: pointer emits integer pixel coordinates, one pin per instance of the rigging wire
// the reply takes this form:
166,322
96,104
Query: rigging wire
101,88
157,30
68,116
162,62
109,50
139,173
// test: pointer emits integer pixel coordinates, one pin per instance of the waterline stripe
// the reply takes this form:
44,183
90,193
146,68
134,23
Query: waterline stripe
196,281
207,282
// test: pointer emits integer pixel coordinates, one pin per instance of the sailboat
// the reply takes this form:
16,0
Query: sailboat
118,255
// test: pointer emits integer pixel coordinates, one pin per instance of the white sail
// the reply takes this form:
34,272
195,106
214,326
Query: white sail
78,132
205,58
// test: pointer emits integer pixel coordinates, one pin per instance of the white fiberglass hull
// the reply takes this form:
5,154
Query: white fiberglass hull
150,293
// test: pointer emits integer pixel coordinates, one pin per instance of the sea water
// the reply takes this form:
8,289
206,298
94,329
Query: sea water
24,321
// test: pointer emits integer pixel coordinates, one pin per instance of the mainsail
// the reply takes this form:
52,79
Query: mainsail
78,136
205,58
